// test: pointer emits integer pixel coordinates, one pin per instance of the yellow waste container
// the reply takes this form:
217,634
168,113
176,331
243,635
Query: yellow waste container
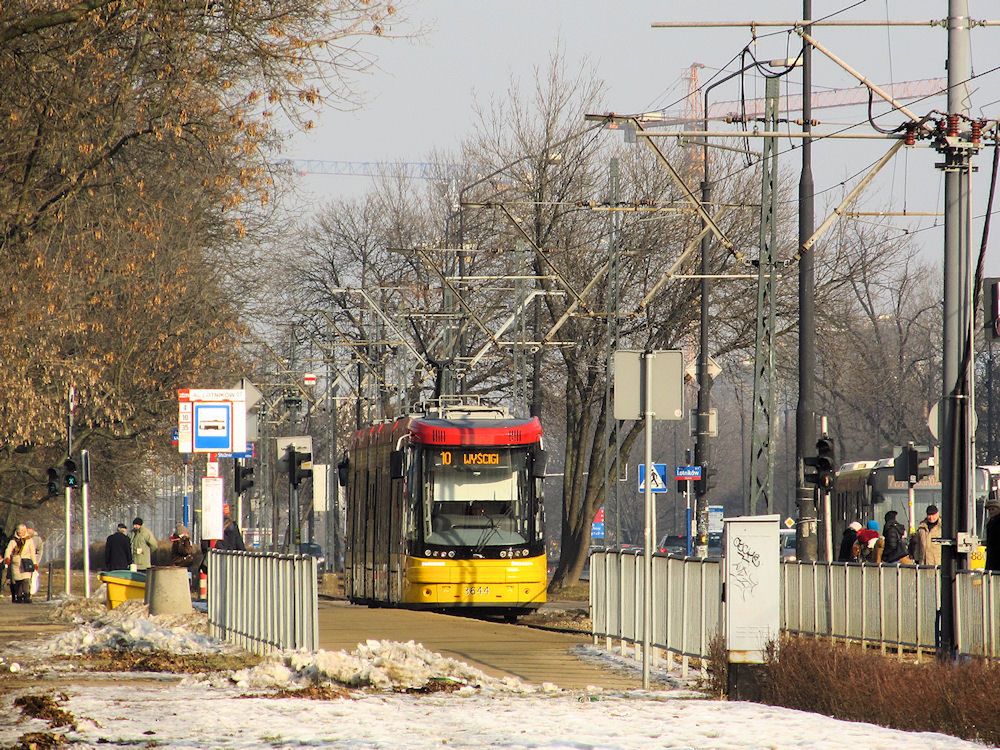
123,585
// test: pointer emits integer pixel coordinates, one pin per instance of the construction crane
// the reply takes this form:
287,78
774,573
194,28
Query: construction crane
754,108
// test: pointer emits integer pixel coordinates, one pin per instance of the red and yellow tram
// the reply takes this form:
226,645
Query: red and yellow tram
445,511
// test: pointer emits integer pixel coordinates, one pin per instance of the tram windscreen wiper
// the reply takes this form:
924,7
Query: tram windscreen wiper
488,533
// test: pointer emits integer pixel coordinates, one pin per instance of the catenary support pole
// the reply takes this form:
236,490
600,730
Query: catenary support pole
805,429
954,409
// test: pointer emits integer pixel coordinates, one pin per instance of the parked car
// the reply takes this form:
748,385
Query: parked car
787,541
673,544
314,550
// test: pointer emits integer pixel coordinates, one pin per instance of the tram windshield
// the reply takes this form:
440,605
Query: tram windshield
477,497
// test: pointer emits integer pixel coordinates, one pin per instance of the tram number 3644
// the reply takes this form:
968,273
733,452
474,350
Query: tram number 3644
473,590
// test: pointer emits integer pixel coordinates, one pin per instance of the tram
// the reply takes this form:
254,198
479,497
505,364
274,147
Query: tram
445,511
867,490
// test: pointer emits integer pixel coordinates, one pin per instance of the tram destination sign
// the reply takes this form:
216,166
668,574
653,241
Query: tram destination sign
473,458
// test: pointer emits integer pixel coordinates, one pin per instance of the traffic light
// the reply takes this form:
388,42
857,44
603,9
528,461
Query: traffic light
53,482
297,469
243,476
69,473
824,462
912,462
991,304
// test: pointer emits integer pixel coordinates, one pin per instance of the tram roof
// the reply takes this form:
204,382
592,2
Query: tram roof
435,431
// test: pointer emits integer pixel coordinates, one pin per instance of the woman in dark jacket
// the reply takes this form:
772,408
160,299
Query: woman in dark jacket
846,553
895,539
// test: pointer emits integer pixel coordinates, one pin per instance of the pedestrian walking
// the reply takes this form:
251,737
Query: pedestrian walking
925,550
36,577
143,545
992,534
21,560
846,553
893,536
118,549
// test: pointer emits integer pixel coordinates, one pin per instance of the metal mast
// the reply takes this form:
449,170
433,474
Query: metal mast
955,405
763,426
805,427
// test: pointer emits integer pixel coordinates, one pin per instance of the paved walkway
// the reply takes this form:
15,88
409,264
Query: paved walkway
535,656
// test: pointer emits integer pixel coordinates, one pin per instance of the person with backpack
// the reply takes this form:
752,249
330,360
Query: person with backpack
894,549
847,542
864,547
925,551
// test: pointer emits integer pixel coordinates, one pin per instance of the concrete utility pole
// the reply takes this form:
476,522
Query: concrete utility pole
955,405
805,428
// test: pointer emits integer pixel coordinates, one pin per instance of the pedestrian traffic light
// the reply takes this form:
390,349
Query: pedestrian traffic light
69,473
53,482
243,476
297,466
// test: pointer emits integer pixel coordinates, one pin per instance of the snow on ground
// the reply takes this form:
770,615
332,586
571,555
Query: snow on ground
232,712
185,716
627,663
383,665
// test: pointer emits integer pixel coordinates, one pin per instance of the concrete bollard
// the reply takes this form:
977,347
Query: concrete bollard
167,591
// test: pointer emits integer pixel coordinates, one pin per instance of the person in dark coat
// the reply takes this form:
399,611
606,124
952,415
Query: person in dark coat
232,537
118,550
895,538
847,541
993,535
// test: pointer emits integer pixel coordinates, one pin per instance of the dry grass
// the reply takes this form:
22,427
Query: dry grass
110,660
571,592
46,708
39,741
717,667
313,692
959,699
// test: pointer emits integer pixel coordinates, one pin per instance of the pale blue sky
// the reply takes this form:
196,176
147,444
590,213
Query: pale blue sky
422,94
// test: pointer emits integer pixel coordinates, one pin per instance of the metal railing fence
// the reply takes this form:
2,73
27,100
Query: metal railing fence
978,595
888,606
891,606
686,596
262,601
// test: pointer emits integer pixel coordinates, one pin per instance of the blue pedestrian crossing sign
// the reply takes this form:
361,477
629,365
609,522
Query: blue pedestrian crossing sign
658,481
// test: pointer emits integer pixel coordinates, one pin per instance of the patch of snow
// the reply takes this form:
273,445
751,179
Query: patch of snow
130,626
628,664
381,665
174,717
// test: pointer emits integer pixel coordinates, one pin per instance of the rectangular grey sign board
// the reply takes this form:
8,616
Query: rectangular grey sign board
666,369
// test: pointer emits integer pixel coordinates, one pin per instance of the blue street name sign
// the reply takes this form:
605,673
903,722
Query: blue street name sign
248,453
687,472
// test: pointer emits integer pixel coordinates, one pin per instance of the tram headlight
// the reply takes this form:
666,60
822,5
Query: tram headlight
503,553
427,553
451,553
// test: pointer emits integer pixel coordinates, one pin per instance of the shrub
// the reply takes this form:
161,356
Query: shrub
858,684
